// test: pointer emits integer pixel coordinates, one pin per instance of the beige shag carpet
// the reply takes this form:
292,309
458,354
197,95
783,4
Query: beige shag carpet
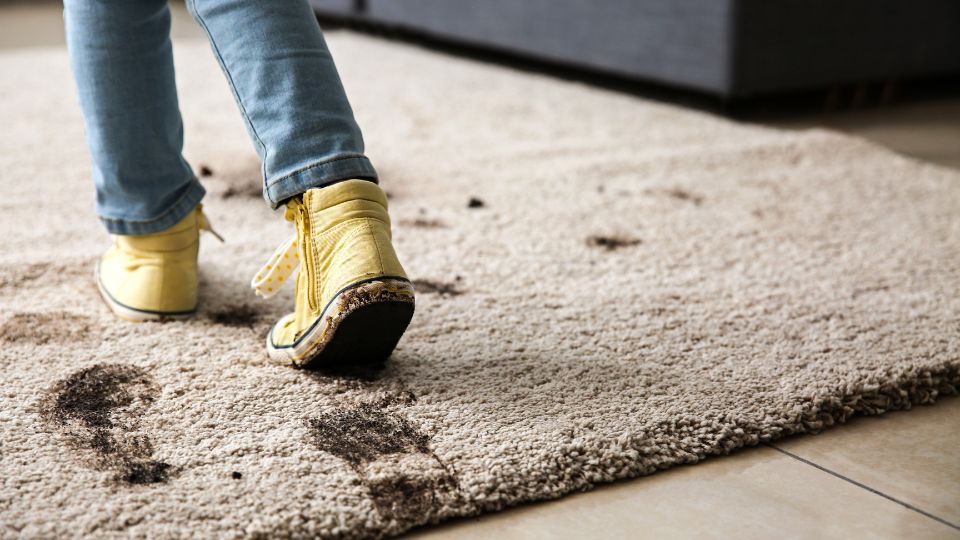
642,286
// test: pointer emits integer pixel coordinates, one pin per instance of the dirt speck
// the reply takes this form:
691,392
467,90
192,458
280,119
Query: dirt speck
46,327
426,286
205,171
475,202
98,410
611,243
236,475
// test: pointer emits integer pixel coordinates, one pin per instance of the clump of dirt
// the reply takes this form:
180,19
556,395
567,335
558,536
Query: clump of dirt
475,202
243,315
365,433
426,286
611,243
98,409
44,327
236,475
205,171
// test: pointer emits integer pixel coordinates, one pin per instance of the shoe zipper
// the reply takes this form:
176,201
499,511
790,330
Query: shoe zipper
306,255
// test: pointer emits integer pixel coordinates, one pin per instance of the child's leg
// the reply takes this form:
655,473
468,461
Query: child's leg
123,64
353,298
289,92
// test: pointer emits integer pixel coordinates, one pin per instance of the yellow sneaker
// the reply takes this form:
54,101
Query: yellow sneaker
153,276
353,299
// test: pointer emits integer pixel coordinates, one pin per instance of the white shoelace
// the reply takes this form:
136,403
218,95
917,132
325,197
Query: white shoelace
278,270
203,223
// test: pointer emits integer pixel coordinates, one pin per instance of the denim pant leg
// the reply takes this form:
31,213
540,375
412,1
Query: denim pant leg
123,65
289,92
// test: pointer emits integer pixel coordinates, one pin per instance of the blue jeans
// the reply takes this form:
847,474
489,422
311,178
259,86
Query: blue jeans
282,76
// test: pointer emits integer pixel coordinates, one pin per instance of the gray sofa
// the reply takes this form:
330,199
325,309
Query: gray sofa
730,48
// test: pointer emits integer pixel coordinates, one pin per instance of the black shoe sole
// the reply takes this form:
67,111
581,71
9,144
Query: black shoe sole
365,337
364,324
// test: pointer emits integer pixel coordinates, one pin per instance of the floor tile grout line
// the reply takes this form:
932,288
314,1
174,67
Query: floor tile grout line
866,487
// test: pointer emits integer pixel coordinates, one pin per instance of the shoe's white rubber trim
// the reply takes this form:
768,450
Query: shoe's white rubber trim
309,344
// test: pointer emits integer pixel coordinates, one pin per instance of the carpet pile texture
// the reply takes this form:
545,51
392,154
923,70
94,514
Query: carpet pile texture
608,287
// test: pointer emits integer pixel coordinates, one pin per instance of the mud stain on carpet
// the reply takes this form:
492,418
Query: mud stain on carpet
404,497
63,327
98,411
44,274
366,434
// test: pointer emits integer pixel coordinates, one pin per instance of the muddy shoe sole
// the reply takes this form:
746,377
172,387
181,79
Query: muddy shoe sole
361,325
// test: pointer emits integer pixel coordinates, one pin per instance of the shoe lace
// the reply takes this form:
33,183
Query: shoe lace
280,267
203,223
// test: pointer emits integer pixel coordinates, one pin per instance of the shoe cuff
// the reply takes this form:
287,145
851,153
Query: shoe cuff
323,174
341,192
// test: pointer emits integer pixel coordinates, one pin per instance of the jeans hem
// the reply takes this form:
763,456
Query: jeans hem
317,175
168,218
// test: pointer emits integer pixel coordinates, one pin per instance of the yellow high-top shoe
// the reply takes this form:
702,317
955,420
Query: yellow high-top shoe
153,276
353,299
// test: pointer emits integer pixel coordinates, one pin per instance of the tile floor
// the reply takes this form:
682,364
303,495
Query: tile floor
890,476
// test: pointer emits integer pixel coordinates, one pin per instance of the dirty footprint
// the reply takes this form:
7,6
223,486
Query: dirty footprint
26,276
98,411
45,327
404,477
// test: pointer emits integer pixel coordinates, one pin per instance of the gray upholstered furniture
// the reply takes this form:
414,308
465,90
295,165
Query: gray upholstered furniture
732,48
